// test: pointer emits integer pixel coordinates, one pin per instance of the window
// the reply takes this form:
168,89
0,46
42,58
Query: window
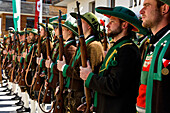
30,22
92,7
47,1
112,3
9,22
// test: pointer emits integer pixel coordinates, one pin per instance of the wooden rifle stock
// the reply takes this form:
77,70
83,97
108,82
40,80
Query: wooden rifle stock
47,95
37,79
59,98
83,51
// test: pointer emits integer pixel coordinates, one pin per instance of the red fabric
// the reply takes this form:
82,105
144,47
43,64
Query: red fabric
166,63
37,12
141,99
102,22
107,15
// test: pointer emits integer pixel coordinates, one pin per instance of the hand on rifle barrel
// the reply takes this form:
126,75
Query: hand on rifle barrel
24,54
60,64
48,62
13,57
83,106
13,51
46,83
42,74
5,52
85,71
10,52
39,59
18,58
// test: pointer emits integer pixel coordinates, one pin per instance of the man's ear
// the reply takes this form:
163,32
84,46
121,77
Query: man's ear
125,25
69,32
165,9
89,27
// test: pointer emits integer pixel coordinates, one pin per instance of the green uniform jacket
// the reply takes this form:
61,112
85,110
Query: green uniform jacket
117,83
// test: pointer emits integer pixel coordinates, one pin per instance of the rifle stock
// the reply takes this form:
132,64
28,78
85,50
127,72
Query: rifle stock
59,98
83,51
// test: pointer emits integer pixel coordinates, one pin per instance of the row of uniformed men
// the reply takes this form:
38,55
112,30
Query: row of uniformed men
114,76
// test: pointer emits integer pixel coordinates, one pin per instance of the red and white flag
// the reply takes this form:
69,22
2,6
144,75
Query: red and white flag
38,12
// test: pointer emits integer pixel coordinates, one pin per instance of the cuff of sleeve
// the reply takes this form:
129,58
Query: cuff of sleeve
65,67
41,62
26,58
88,79
51,64
21,59
43,71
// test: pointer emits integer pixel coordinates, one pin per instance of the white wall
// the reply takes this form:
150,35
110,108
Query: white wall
126,3
85,4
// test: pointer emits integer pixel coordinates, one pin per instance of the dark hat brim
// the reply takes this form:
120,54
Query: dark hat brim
166,2
74,15
132,19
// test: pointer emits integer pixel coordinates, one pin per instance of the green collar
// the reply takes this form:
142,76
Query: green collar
78,53
111,56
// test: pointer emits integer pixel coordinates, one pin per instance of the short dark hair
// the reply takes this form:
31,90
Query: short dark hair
159,3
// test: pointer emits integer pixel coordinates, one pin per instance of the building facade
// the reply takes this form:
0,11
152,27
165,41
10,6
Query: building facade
90,5
27,13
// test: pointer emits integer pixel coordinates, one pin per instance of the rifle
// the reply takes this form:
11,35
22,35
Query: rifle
12,77
37,82
83,51
104,34
22,81
47,95
5,58
1,62
59,98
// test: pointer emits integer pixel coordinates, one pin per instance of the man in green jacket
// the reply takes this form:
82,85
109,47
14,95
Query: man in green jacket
116,84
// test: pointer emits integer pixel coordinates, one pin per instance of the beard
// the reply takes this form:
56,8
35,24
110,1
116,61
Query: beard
115,32
151,22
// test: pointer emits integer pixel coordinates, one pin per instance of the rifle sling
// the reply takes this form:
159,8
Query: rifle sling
28,69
